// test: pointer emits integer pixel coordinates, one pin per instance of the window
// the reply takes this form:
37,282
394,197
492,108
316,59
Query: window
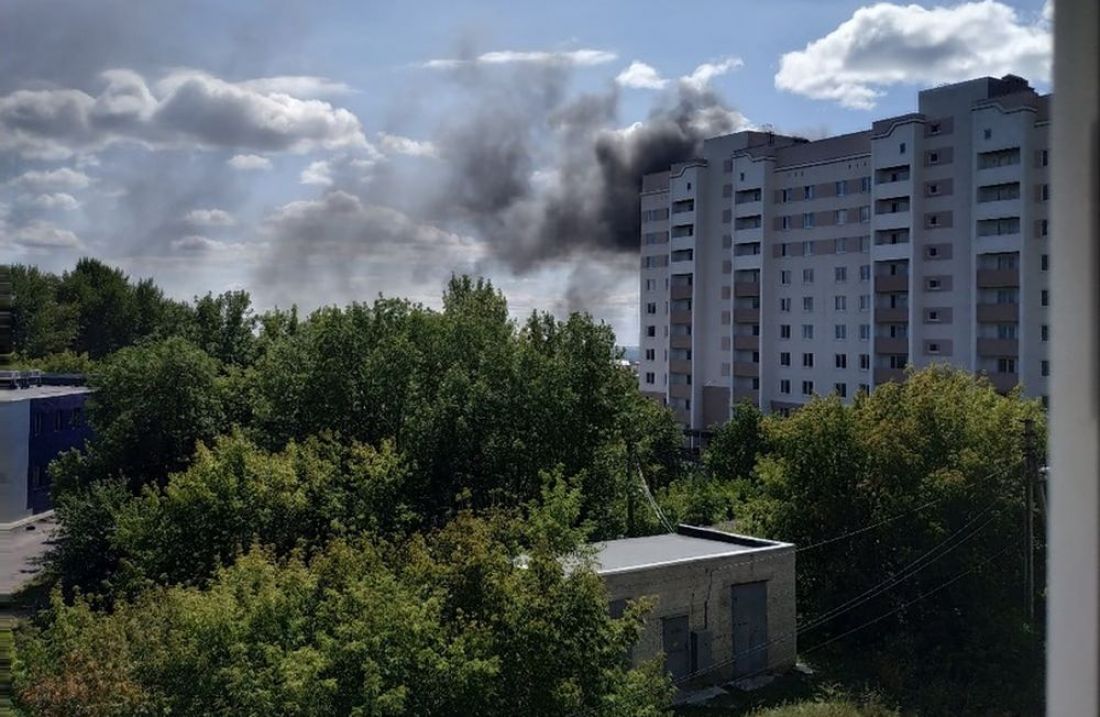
933,189
785,304
865,272
864,215
808,220
808,248
864,302
785,277
841,360
1044,228
808,191
785,386
987,133
651,331
807,388
36,424
683,255
840,216
840,274
807,303
840,332
1044,332
649,377
651,308
840,303
784,331
933,252
901,148
841,390
1044,297
864,186
1044,368
934,128
841,188
898,361
865,362
784,223
1044,193
842,245
933,347
1044,262
933,220
933,315
651,354
1006,331
650,284
807,276
932,284
1006,365
807,331
742,177
786,195
864,332
785,358
933,157
1044,157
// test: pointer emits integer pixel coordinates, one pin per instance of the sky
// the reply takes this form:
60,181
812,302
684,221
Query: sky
326,152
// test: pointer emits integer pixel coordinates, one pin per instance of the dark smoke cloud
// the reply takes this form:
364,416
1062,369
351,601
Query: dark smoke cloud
526,123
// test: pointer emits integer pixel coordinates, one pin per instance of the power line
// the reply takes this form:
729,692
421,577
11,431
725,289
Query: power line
907,572
873,525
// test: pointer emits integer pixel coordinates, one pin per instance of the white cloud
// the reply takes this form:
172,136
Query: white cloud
319,172
197,244
58,200
209,218
249,162
186,108
885,44
704,73
304,86
395,144
579,58
63,178
44,235
639,75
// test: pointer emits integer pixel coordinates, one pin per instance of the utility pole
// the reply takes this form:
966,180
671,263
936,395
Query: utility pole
1030,479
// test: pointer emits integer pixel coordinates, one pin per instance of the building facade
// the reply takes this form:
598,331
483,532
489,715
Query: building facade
723,605
775,268
37,422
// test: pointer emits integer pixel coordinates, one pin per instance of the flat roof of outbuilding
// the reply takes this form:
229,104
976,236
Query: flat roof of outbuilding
10,395
688,543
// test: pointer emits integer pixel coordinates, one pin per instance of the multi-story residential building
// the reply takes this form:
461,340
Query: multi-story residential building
774,268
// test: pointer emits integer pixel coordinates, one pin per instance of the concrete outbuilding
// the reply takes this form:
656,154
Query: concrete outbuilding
724,604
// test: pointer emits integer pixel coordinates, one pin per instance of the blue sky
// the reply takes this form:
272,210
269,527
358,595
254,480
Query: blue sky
314,153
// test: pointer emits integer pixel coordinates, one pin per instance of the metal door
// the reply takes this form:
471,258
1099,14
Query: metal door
750,628
676,642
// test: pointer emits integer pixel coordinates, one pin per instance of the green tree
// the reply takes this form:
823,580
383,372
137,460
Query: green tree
223,327
152,404
447,623
41,325
103,302
733,449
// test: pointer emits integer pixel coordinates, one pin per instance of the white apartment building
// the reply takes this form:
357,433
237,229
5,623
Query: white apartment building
775,268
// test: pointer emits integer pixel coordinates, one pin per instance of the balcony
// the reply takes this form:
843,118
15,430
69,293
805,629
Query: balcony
679,342
888,315
680,317
746,288
746,368
746,316
886,283
679,390
998,278
1004,382
681,292
679,366
998,313
885,375
889,345
998,347
747,343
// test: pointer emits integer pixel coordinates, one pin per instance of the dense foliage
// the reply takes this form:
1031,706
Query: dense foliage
324,514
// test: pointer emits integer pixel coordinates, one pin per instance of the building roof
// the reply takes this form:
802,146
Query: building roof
687,544
11,395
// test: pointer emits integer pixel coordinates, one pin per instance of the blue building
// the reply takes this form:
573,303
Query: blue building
40,416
